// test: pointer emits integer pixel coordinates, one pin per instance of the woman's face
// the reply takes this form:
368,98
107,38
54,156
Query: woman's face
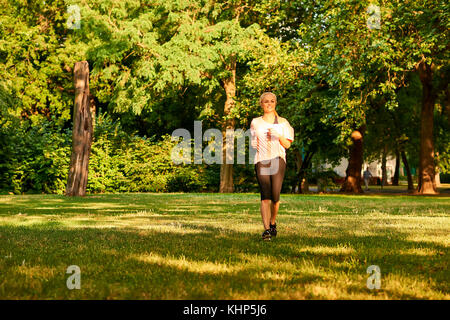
268,103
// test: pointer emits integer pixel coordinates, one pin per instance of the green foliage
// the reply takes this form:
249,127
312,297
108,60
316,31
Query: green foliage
143,55
34,158
185,180
36,59
325,179
211,175
245,178
443,159
442,133
128,163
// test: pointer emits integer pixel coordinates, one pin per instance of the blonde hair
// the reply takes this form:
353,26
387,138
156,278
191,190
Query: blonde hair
265,94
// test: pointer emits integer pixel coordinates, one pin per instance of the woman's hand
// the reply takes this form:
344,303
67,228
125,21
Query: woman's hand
275,133
272,132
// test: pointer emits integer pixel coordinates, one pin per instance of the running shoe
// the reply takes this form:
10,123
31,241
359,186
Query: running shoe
266,235
273,230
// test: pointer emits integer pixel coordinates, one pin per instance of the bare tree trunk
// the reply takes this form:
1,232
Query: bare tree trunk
352,181
427,182
82,133
304,186
397,169
306,163
298,165
447,104
226,169
408,171
383,168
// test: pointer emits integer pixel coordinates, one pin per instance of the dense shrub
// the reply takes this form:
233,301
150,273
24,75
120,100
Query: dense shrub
127,163
245,178
326,179
34,158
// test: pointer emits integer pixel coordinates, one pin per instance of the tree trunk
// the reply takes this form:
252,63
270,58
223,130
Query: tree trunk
304,186
226,169
447,104
306,163
397,169
298,165
408,171
383,168
427,182
82,133
352,181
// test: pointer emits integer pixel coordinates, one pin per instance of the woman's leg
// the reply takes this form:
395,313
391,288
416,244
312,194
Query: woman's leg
274,206
277,183
265,212
266,190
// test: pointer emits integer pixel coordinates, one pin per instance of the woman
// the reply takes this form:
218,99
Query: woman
271,136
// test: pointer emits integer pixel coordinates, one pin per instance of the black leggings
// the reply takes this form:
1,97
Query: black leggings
270,175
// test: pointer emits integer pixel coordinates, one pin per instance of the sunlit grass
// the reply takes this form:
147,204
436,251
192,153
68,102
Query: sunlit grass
207,246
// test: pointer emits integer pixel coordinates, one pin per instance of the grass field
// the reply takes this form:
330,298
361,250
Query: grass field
207,246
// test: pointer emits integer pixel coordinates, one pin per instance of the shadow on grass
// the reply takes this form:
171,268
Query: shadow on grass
201,204
207,263
110,205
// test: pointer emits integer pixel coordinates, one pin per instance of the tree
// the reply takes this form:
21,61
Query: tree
420,35
406,123
149,52
34,59
82,132
368,61
342,51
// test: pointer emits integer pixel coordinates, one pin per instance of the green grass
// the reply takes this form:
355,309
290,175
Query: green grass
207,246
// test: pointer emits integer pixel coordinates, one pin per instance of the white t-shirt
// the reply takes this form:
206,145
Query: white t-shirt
266,148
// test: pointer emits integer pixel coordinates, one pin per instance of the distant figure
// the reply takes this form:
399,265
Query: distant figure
367,175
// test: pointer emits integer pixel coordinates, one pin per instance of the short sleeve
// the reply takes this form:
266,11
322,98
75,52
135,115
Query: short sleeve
288,132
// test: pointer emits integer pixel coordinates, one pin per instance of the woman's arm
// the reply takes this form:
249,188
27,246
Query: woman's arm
254,138
285,142
286,135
